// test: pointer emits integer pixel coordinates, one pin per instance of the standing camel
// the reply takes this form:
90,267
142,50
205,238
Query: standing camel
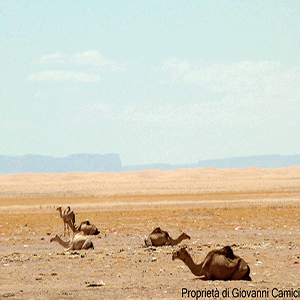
68,217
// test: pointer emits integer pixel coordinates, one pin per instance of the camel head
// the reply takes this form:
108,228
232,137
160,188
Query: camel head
185,236
180,254
93,230
59,208
54,239
96,232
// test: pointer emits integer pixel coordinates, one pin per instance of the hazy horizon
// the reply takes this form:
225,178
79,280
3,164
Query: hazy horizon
156,82
112,162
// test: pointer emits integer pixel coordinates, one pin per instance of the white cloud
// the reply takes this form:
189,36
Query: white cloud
266,78
86,62
86,58
55,58
237,77
91,58
63,76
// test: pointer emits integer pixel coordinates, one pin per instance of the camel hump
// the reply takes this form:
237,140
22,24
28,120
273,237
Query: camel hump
157,230
86,222
227,252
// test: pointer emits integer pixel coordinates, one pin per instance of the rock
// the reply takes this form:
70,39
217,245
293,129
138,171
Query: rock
95,284
8,295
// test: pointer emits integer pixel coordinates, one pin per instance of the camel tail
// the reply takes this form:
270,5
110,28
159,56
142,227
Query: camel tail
96,232
91,246
247,275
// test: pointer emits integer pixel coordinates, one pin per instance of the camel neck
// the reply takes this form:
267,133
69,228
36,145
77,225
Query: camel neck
195,269
60,212
176,241
65,244
72,226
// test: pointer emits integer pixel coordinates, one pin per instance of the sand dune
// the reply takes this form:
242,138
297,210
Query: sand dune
150,182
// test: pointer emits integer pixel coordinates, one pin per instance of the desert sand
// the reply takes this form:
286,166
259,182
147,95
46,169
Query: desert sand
255,211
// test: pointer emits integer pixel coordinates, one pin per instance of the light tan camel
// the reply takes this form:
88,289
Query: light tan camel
219,264
87,228
159,237
68,217
77,242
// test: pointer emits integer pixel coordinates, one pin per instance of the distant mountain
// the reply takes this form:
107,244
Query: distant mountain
164,167
264,161
112,163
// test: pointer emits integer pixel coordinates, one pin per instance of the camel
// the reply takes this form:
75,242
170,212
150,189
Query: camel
159,237
68,217
77,242
219,264
87,228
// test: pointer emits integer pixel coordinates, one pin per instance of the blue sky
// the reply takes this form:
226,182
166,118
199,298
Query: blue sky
155,81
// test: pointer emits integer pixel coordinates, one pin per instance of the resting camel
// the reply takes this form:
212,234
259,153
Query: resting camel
219,264
77,242
68,217
159,237
87,228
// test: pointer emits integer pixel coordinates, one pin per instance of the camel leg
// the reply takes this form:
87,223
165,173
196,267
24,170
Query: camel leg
168,242
87,244
70,248
241,273
65,229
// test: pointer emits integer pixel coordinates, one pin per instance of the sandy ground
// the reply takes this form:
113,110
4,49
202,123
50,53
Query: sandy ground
207,204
